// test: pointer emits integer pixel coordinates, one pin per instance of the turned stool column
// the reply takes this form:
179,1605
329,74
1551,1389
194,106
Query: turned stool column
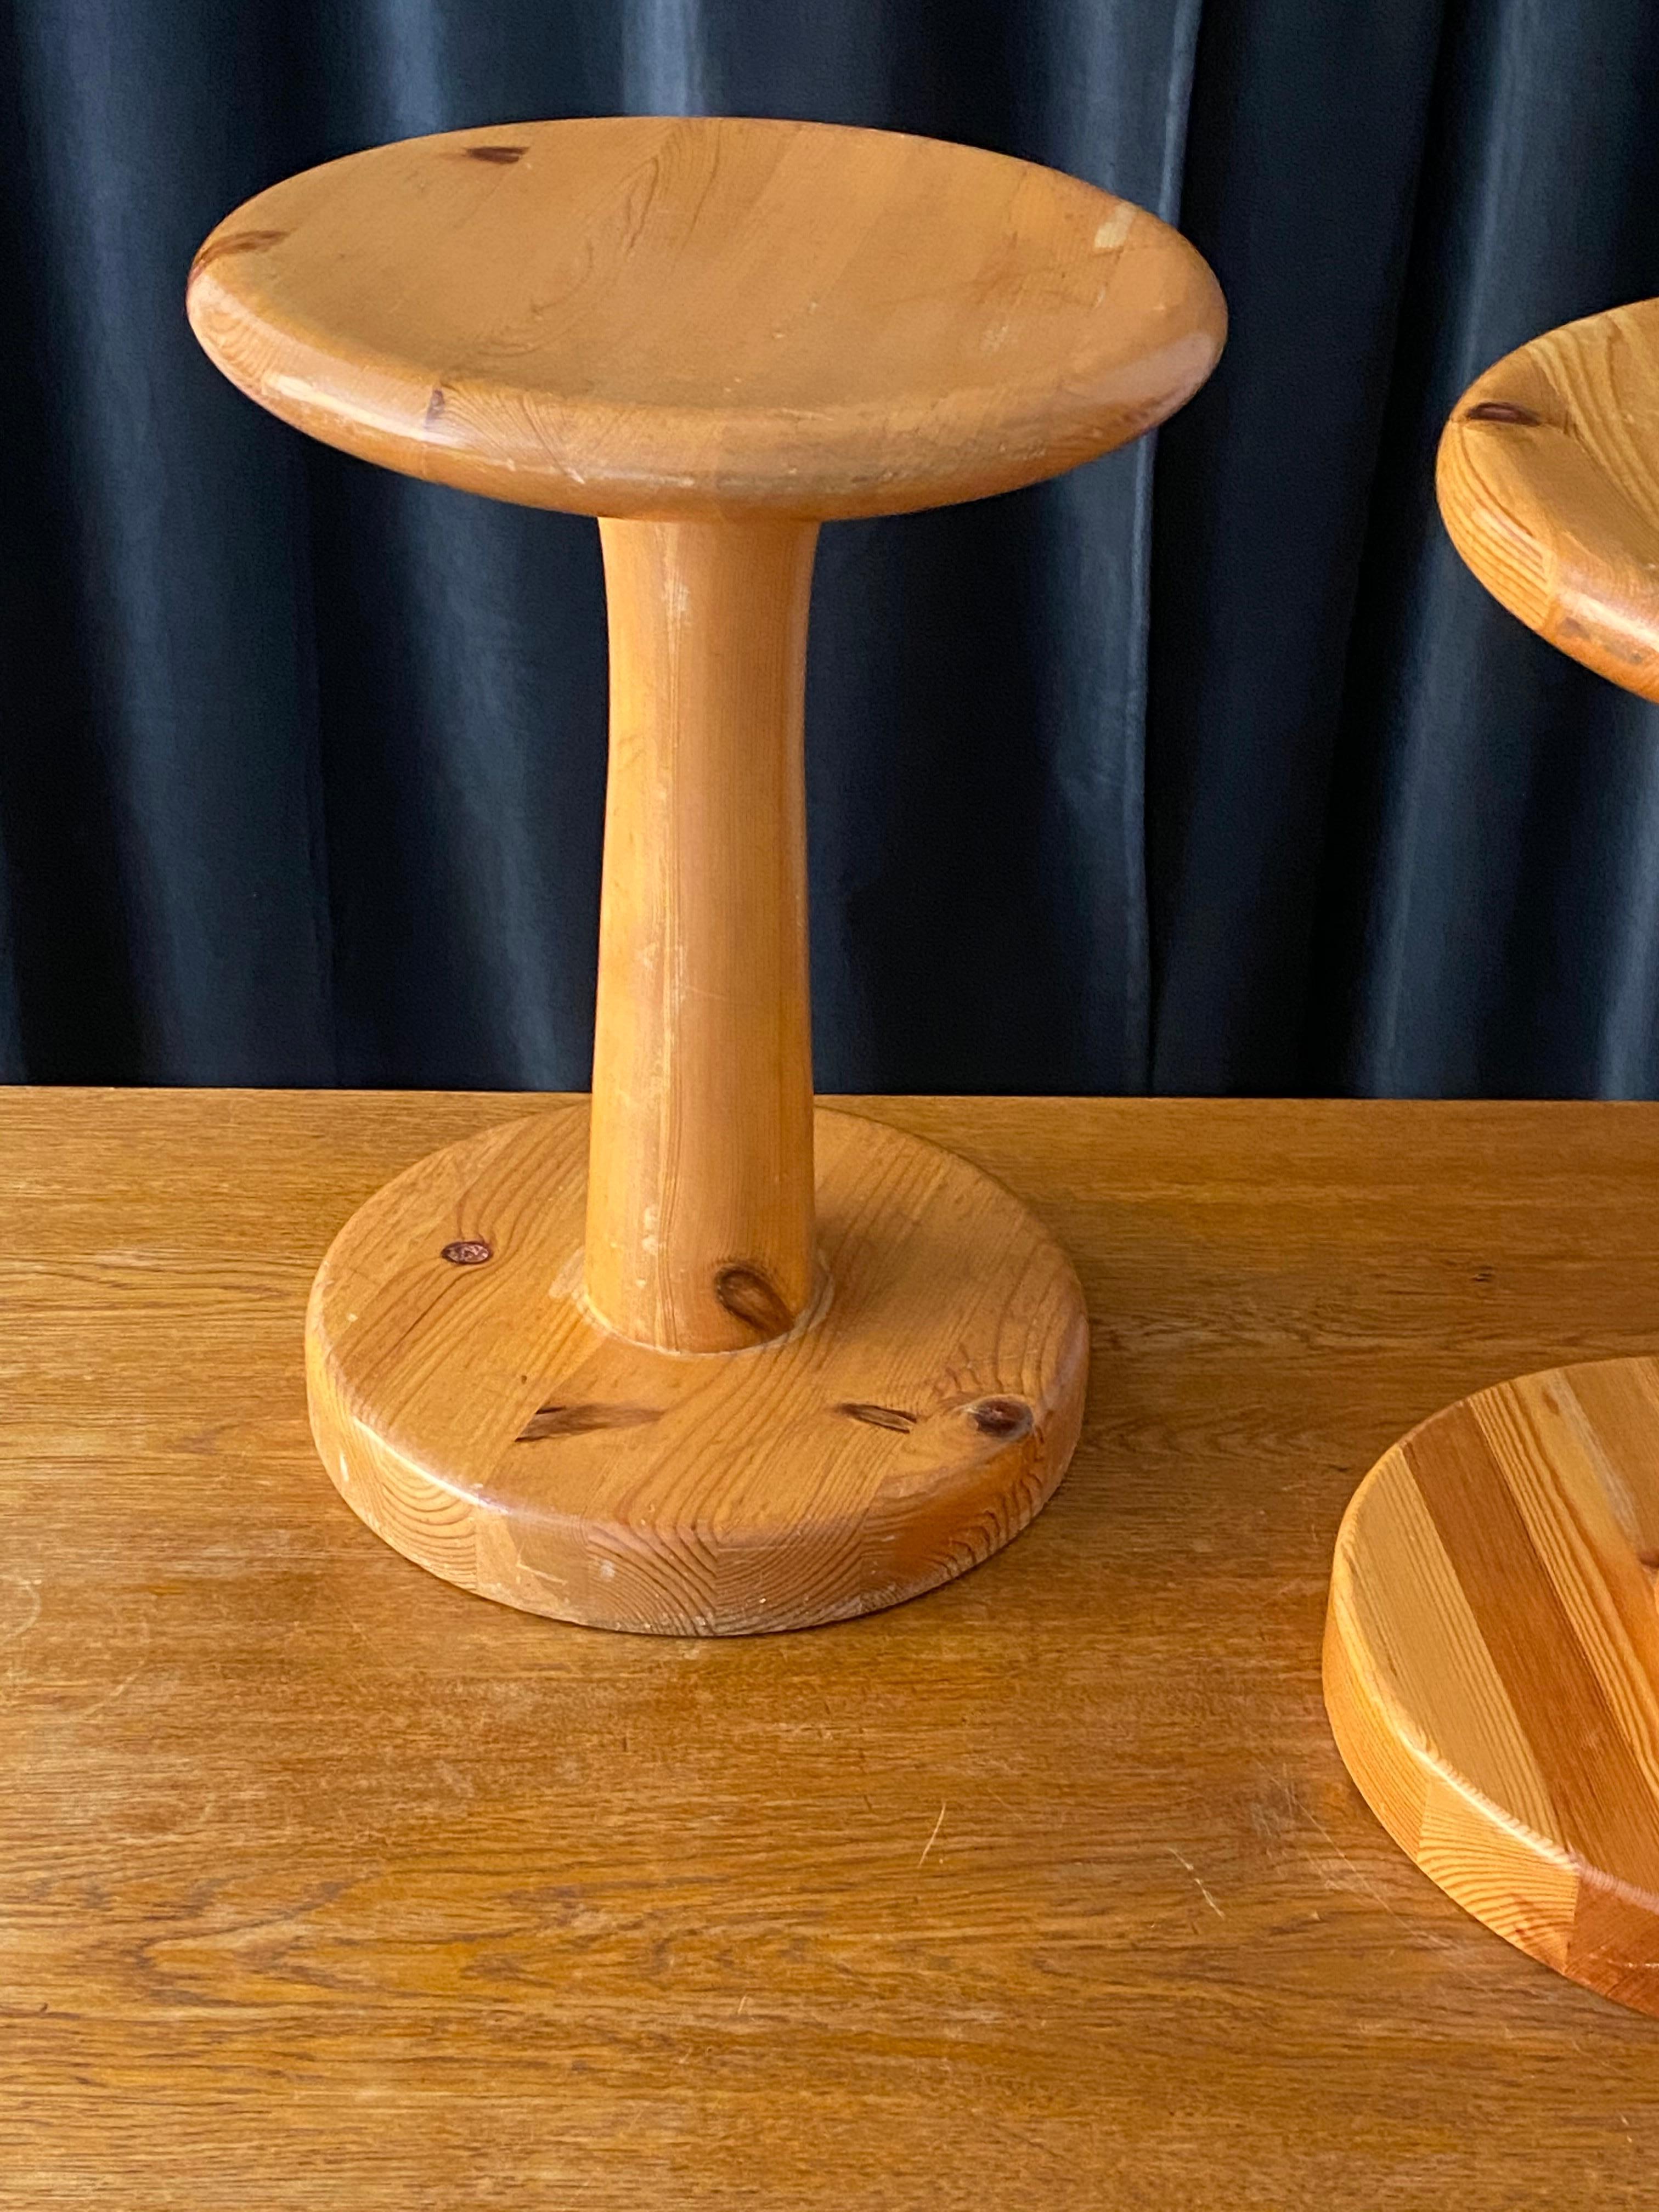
705,1361
700,1214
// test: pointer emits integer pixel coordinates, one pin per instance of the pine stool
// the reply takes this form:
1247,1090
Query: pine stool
1491,1647
700,1360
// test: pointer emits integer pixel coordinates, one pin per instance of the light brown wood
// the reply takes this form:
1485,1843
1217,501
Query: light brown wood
706,316
1548,479
664,1392
472,1410
1492,1650
1048,1893
1491,1662
713,333
699,1232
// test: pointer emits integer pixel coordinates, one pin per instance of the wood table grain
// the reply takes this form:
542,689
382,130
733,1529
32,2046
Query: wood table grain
323,1883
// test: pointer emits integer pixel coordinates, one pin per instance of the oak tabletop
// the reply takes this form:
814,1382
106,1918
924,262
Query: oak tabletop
322,1882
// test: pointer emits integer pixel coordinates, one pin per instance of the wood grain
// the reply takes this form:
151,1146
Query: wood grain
1491,1662
479,1416
1492,1651
1548,479
713,333
1048,1891
706,316
700,1235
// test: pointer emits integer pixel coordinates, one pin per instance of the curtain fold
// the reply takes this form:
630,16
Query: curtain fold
1207,767
1492,876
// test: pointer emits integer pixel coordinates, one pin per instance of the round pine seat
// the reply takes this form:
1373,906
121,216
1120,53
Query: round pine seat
706,316
1549,484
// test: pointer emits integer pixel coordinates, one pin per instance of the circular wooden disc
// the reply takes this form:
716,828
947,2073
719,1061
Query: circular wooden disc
1548,479
1491,1663
644,315
470,1411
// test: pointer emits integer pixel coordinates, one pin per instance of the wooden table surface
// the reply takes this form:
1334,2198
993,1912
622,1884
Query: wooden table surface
322,1883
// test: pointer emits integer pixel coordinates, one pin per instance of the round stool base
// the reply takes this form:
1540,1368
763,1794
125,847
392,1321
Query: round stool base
472,1410
1491,1662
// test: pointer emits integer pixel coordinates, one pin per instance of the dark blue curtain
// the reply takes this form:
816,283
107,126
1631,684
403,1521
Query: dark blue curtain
1205,769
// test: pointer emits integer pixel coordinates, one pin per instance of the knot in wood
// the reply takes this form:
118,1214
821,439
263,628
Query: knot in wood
1503,411
1000,1417
751,1296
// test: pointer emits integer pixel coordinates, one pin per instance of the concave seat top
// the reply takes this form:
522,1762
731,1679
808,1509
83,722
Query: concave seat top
711,316
1549,484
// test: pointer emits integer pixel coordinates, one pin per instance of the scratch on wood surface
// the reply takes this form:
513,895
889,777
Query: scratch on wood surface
933,1839
29,1609
1204,1889
1445,1946
116,1689
1361,1878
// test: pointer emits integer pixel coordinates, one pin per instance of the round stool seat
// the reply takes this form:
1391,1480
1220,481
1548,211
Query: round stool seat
1549,484
706,316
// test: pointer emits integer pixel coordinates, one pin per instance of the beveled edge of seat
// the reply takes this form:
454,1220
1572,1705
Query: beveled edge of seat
537,452
1566,542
